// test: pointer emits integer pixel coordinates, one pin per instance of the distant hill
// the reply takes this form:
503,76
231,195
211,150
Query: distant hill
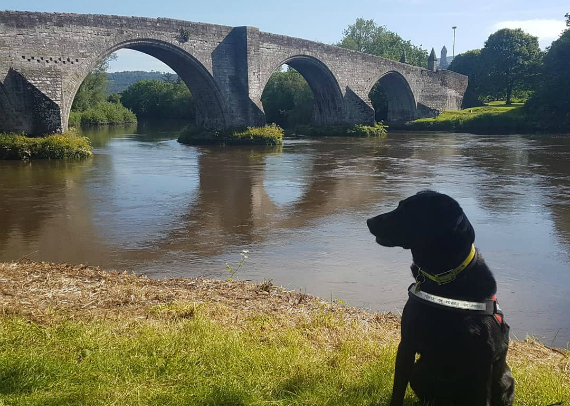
119,81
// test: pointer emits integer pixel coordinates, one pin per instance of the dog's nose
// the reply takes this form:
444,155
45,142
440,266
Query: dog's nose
370,223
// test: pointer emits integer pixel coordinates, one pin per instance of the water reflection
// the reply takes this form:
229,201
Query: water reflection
149,204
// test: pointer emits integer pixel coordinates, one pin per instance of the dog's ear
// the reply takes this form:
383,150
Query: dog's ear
463,228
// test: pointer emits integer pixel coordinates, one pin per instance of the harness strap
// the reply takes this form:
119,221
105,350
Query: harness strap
489,307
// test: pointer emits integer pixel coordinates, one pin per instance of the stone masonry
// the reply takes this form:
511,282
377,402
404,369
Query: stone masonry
44,57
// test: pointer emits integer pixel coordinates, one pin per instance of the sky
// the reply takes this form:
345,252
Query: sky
425,23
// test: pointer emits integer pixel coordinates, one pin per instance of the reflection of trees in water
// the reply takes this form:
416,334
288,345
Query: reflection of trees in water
550,158
505,182
32,194
146,130
233,206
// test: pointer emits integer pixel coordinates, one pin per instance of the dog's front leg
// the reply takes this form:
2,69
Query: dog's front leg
404,365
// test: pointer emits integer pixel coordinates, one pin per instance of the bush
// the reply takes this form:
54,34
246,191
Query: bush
103,113
356,130
267,135
56,146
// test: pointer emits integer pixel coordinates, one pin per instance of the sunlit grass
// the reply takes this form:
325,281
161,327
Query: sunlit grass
189,361
493,118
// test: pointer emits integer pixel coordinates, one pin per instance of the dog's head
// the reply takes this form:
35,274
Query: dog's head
424,220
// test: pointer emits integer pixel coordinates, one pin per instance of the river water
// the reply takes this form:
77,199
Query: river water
151,205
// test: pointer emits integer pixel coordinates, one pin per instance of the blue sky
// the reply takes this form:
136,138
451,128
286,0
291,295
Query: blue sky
423,22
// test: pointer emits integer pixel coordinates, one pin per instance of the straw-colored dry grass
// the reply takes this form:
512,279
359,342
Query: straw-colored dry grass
80,335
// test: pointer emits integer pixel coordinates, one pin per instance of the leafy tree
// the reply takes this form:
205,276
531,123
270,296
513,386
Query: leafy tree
368,37
159,99
509,62
93,90
379,101
469,64
550,104
169,77
567,19
287,99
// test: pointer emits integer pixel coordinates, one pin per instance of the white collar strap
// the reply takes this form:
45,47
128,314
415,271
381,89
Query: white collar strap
489,306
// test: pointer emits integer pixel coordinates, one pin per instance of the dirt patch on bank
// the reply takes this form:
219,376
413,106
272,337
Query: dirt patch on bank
46,292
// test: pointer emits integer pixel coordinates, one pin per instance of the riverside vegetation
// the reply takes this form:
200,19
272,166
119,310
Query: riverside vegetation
56,146
492,118
266,135
74,335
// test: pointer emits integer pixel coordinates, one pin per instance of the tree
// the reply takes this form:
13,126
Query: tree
287,99
469,64
550,104
567,19
159,99
170,78
368,37
509,62
93,90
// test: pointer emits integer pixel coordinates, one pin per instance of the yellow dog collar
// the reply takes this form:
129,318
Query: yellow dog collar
450,276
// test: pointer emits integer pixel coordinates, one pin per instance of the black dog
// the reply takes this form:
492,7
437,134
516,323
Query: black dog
451,319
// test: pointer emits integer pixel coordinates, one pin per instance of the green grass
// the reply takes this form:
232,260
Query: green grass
102,114
356,130
179,356
187,362
493,118
56,146
266,135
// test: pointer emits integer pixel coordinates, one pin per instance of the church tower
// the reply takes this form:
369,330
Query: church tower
443,60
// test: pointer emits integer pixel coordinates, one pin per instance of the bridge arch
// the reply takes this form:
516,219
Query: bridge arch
400,102
328,108
210,109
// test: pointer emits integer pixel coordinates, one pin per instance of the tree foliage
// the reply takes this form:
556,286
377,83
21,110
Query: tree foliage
368,37
469,64
93,90
551,102
159,99
287,99
509,62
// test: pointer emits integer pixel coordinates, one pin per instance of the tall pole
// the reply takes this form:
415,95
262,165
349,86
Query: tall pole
454,27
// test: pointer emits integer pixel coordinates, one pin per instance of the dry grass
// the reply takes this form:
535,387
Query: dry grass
42,291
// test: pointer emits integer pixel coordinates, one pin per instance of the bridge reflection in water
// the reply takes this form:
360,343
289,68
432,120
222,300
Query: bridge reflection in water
148,204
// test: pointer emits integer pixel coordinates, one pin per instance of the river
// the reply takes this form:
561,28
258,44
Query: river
148,204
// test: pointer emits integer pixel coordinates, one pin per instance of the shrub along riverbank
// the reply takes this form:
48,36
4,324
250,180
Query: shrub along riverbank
56,146
101,114
356,130
77,335
267,135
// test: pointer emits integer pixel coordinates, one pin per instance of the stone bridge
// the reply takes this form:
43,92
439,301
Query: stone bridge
44,57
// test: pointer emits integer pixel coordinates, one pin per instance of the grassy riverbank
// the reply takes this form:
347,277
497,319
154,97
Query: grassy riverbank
73,335
493,118
56,146
266,135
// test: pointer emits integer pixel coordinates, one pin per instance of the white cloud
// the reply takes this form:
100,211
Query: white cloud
546,30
